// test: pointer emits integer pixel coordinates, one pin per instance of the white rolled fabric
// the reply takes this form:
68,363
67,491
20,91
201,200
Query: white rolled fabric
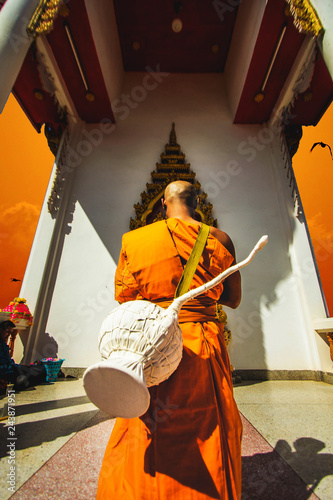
141,346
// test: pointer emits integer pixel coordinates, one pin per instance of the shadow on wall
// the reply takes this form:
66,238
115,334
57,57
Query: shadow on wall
47,346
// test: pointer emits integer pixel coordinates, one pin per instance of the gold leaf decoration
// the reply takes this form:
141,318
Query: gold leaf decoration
44,16
305,17
172,167
222,317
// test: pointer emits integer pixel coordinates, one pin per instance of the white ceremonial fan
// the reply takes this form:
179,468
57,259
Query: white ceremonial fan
141,346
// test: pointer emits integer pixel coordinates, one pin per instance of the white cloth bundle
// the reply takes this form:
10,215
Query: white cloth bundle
141,346
146,333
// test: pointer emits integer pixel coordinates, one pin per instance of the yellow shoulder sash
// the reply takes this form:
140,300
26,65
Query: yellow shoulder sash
193,261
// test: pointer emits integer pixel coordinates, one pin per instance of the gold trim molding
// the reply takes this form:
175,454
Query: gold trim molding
305,17
44,16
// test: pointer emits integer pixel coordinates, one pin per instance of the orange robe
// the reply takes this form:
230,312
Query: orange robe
187,446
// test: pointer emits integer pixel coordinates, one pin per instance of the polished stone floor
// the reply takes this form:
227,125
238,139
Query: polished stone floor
53,444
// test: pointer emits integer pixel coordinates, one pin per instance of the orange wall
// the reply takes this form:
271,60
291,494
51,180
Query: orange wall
26,167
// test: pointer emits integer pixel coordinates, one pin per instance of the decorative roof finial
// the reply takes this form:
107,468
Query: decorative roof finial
173,138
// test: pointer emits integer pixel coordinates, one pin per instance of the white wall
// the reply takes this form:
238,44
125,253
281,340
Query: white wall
251,197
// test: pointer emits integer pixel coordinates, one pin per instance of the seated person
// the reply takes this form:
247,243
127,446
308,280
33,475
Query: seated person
21,376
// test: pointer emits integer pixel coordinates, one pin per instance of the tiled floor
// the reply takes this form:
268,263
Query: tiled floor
61,437
296,419
45,419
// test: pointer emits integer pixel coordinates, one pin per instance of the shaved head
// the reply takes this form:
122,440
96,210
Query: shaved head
181,192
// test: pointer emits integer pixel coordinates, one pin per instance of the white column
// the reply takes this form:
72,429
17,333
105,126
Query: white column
48,280
15,16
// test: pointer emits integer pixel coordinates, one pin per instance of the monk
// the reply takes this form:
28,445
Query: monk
187,446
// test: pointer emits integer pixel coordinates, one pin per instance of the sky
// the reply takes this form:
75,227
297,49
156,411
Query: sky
26,167
26,164
314,176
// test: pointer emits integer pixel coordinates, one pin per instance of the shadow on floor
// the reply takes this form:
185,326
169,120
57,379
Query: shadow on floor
30,434
26,409
268,476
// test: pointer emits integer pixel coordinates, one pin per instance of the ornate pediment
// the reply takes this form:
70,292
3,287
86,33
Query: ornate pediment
172,167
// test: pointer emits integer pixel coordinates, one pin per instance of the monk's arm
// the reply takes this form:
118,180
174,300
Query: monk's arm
232,292
232,286
126,287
